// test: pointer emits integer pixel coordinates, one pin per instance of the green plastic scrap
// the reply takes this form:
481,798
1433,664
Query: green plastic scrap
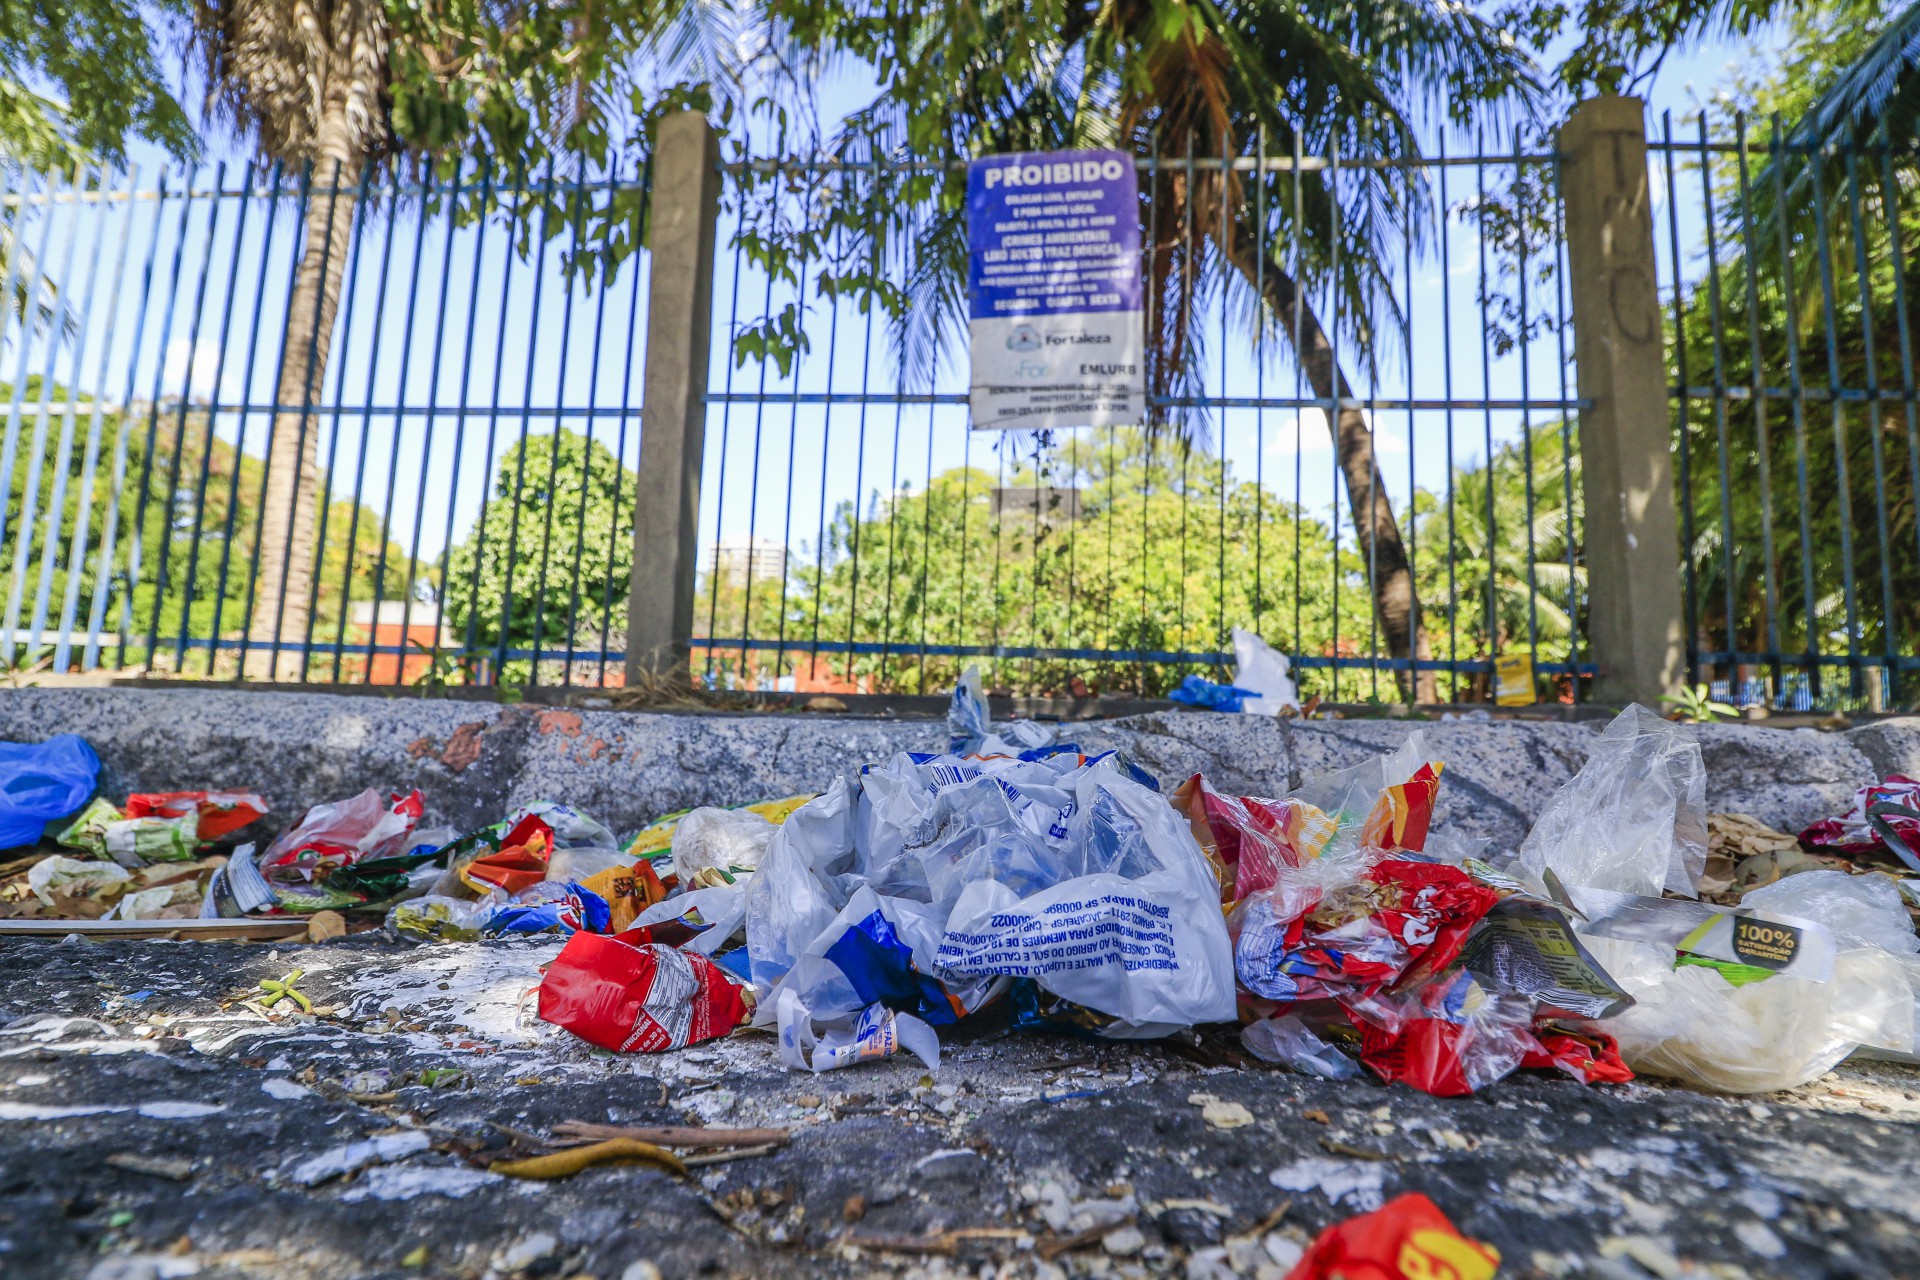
283,990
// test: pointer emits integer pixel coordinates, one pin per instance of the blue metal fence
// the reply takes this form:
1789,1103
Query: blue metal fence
469,463
1791,332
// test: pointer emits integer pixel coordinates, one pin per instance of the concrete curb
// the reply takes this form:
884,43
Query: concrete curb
473,761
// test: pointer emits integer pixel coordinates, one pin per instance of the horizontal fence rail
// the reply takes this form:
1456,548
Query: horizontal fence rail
1791,338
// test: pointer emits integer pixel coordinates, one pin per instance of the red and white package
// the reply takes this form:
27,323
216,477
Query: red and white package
331,836
638,999
220,813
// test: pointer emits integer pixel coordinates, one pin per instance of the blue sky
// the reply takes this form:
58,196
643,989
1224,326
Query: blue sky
784,466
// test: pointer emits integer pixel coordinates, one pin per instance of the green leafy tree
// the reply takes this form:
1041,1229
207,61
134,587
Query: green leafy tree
187,501
79,77
1797,510
1496,565
549,562
517,92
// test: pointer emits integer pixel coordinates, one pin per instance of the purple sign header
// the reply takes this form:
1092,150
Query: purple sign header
1053,233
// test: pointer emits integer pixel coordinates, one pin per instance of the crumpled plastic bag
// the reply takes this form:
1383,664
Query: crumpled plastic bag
1692,1024
436,918
1865,911
331,836
1261,670
967,718
639,999
1404,1239
217,814
1290,1042
43,782
1633,819
1061,869
712,843
72,878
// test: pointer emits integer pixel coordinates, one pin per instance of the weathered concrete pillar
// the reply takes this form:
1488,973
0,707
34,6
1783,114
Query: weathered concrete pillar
1637,625
673,406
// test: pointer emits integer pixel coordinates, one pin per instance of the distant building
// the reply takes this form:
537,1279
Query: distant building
1053,505
414,626
737,558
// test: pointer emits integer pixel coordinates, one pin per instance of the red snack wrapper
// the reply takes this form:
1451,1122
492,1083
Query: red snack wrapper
1591,1057
640,999
220,812
1407,1238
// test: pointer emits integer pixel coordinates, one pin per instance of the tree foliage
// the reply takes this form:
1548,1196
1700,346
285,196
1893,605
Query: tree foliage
548,563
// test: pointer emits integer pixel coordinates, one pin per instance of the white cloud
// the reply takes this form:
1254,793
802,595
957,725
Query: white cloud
205,362
1307,433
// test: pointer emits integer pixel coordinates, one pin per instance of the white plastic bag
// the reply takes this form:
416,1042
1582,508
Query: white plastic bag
1633,819
1692,1024
1261,668
941,877
719,839
1862,911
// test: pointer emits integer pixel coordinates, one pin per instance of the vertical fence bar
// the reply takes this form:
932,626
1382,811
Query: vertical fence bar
1761,438
1718,332
246,415
57,501
1778,152
1888,626
1829,311
9,452
1682,405
30,489
207,440
77,549
180,424
97,613
325,513
135,543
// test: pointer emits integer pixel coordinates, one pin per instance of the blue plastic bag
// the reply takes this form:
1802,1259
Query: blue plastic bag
42,782
1198,691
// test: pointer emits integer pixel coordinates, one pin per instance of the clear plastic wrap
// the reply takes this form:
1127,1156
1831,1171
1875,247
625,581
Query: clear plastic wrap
1692,1024
709,841
1862,911
1633,819
1261,670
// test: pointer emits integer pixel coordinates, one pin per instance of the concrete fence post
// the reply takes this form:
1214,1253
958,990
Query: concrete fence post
684,212
1636,621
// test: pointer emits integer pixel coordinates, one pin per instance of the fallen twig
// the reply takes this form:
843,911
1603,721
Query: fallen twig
721,1157
1265,1224
564,1164
672,1135
1054,1246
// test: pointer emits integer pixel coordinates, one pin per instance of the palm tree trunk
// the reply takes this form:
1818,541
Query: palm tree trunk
286,551
1394,600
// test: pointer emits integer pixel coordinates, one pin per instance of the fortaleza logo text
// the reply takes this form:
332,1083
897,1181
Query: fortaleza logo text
1057,173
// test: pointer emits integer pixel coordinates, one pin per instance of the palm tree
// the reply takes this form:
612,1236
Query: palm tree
312,82
1878,93
335,88
1208,92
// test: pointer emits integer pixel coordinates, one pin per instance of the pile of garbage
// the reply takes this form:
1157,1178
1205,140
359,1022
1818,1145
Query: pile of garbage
1342,931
